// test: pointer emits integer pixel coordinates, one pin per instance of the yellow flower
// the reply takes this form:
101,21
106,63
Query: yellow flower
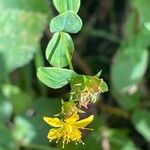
68,128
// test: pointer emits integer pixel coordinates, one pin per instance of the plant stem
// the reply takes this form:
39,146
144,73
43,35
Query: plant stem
100,33
26,77
66,51
82,64
115,111
38,63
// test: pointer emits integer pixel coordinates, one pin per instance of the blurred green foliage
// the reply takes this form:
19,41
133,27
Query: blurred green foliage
24,101
22,23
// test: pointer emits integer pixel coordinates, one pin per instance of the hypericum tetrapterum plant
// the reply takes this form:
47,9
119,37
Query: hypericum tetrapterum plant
66,124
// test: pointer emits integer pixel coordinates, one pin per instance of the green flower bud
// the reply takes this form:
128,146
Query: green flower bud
85,89
69,108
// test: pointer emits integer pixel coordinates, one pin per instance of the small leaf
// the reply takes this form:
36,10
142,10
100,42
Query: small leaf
55,77
57,47
68,22
141,121
142,7
137,34
65,5
99,73
128,68
6,109
23,131
19,99
103,86
6,139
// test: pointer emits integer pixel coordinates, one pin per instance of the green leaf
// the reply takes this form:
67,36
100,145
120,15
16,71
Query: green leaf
60,44
19,99
142,39
127,100
103,86
119,140
23,131
67,22
128,68
65,5
132,26
55,77
141,122
6,109
42,107
99,73
143,8
9,89
137,34
28,5
21,26
6,140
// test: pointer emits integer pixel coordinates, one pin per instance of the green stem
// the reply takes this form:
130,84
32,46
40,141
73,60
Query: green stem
100,33
38,63
66,51
26,74
115,111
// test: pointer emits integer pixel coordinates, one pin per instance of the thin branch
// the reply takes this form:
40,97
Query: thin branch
81,64
100,33
115,111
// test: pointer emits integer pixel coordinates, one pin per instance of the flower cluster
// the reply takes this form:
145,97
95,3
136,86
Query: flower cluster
68,125
85,89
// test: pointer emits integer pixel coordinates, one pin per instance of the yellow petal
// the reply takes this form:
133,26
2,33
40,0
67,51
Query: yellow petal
73,118
55,122
84,122
55,134
75,135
